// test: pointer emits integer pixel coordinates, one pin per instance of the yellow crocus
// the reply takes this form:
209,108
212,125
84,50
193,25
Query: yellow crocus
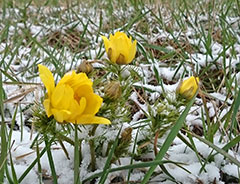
188,87
120,49
72,99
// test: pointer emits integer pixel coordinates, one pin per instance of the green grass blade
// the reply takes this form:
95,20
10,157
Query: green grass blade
219,150
108,162
235,111
232,143
133,150
12,125
39,164
22,123
14,175
4,144
195,150
135,166
173,133
137,17
34,162
50,159
9,178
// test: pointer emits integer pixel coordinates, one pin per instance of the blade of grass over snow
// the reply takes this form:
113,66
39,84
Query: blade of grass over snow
53,59
12,126
131,162
195,149
135,166
21,124
20,179
108,162
172,134
229,145
233,128
50,159
219,150
9,177
14,175
4,142
137,17
39,163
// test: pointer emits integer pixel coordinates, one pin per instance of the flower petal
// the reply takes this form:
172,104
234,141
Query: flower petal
47,106
93,104
62,96
75,80
74,109
88,119
132,51
61,115
106,42
93,101
82,104
47,78
119,46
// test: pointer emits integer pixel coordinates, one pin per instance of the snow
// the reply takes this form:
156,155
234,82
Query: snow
231,169
221,97
30,178
211,174
23,156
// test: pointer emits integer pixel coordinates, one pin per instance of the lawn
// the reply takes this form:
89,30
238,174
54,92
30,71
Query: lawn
125,91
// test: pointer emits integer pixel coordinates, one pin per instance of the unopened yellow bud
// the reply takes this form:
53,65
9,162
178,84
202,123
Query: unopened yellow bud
188,87
85,67
113,90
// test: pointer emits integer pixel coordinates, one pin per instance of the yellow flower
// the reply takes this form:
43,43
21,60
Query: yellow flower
188,87
72,99
120,49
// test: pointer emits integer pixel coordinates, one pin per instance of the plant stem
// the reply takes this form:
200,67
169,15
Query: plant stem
76,157
93,155
92,148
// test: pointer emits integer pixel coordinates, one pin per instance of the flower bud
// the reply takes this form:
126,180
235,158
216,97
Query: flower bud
85,67
126,135
188,87
120,48
113,90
